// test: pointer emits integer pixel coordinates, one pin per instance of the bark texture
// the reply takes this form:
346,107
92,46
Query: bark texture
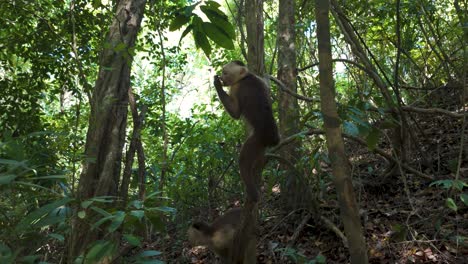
344,187
293,190
107,123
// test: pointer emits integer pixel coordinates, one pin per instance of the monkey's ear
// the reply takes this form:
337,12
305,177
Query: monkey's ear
242,71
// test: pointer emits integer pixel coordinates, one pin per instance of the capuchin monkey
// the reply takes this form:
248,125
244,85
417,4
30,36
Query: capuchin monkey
219,236
249,98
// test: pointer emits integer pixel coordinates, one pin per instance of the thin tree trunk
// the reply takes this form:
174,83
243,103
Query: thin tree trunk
107,121
135,147
293,190
339,161
245,238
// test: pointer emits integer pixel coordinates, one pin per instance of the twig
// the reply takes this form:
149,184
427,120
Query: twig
335,229
284,89
360,141
299,229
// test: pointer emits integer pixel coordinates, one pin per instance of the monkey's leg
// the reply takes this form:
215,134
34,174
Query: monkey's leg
252,151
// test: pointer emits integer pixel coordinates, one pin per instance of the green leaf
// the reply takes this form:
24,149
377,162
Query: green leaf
138,204
221,21
373,138
186,31
149,253
321,259
59,237
457,184
41,212
48,177
188,10
101,221
86,204
350,128
7,178
100,250
100,211
451,204
217,35
164,209
116,221
212,4
446,184
202,42
464,198
82,214
138,213
96,4
178,22
133,240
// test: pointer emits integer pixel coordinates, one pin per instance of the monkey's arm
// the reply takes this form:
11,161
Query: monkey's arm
231,103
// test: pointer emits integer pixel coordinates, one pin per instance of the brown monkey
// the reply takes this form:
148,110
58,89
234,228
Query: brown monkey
218,236
249,97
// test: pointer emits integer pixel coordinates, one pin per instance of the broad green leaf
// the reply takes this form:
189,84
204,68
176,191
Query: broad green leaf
464,198
101,221
152,194
373,138
164,209
202,42
41,212
446,184
103,199
188,10
457,184
212,4
220,21
86,204
7,178
116,221
100,250
451,204
186,31
49,220
133,240
178,22
350,129
217,35
100,211
138,204
138,213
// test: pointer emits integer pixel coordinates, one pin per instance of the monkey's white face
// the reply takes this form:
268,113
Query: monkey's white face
232,73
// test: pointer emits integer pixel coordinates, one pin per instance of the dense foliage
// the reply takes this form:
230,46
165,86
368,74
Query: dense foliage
49,60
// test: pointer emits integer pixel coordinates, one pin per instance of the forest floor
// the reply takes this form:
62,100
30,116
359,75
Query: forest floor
412,224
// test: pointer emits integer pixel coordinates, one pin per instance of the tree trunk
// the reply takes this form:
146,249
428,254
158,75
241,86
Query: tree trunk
256,63
255,36
293,190
339,162
107,121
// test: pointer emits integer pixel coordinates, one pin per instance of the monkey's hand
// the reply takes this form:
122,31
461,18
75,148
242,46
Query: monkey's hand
217,82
